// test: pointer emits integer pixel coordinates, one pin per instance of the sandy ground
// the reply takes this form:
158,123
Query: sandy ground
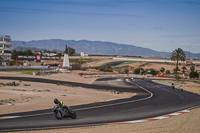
29,95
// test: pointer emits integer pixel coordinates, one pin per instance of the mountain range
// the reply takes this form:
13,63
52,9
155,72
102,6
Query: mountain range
95,48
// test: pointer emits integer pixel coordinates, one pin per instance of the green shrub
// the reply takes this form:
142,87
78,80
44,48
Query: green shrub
194,74
126,71
137,71
105,69
153,71
162,69
167,72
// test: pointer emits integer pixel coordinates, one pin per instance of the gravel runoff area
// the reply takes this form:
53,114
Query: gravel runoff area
28,94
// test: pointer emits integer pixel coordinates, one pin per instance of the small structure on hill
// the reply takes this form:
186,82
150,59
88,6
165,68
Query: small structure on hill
83,54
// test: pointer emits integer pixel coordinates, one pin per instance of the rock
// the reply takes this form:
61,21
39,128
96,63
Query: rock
10,104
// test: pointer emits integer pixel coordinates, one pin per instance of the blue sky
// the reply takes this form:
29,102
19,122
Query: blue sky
161,25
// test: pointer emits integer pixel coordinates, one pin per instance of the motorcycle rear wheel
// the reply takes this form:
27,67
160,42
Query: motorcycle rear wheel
73,115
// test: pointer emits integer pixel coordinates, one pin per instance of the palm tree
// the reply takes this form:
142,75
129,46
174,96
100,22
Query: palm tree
178,55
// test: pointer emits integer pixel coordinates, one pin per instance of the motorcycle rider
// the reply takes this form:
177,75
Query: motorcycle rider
173,85
61,104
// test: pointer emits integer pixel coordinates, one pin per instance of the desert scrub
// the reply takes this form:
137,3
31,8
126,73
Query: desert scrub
10,100
26,99
41,90
68,85
105,69
65,84
19,89
58,84
9,84
27,85
112,91
197,81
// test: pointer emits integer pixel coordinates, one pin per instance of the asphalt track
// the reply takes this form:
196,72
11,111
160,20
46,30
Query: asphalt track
152,100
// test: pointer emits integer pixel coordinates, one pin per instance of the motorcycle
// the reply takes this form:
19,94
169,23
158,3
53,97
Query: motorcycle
60,113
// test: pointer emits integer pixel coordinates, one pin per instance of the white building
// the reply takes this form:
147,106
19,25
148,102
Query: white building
83,54
5,50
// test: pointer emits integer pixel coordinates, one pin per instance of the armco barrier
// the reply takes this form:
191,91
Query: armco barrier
113,75
22,67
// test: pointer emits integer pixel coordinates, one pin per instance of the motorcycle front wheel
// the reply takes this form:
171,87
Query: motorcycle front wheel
58,115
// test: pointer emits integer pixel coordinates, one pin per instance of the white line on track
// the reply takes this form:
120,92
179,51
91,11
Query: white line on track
181,97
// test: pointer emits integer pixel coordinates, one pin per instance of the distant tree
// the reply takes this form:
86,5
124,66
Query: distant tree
167,71
142,71
14,54
194,74
162,69
192,68
42,64
137,71
28,52
72,51
178,55
183,69
153,71
176,70
59,54
126,71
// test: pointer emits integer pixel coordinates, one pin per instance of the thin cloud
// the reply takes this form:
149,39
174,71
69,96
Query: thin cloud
32,10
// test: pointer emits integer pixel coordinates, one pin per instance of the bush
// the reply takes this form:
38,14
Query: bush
167,72
137,71
153,71
126,71
162,69
194,74
105,69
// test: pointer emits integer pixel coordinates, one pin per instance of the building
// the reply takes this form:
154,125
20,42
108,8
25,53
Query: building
83,54
5,50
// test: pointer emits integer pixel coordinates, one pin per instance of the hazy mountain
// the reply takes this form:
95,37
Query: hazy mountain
26,48
97,48
35,49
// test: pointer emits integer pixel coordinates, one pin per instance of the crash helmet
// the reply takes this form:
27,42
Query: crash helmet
56,101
